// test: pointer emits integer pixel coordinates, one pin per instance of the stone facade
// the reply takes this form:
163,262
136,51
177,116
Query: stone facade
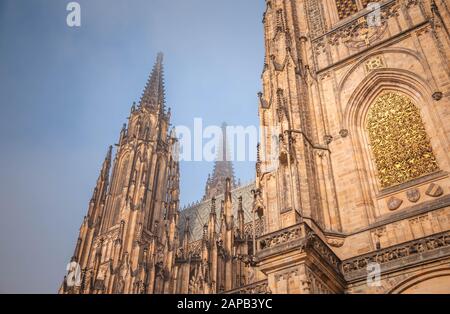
352,173
333,84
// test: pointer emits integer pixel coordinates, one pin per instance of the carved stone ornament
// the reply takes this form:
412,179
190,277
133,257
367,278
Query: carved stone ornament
343,133
374,63
393,203
359,34
437,96
434,190
402,253
413,195
335,241
328,139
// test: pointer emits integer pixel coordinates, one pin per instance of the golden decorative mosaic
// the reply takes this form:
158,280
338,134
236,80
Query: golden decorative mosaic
400,145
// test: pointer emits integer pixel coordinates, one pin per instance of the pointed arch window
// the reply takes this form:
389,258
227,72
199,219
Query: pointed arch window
400,146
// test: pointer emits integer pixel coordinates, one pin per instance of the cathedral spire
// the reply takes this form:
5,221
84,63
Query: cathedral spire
154,94
223,169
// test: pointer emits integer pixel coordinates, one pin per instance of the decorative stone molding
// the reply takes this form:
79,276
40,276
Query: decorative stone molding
298,237
315,18
259,228
315,284
408,253
280,237
260,287
414,182
195,248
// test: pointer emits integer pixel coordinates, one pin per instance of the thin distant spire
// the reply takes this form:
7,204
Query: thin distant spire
154,94
223,169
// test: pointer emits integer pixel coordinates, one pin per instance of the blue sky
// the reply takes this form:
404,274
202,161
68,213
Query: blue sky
65,93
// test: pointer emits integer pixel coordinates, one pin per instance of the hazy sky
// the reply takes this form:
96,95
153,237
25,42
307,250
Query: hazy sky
65,93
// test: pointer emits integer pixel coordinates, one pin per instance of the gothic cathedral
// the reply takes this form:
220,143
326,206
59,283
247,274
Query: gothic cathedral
352,188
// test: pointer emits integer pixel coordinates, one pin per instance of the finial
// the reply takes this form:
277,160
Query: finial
153,95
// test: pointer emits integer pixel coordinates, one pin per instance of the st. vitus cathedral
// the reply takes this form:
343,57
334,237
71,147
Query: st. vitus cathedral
355,109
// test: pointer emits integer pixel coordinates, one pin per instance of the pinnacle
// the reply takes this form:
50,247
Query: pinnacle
154,94
223,169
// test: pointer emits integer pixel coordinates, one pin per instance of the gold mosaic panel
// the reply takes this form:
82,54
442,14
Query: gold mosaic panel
400,145
346,8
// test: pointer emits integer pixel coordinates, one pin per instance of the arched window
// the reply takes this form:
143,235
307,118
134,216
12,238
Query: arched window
399,142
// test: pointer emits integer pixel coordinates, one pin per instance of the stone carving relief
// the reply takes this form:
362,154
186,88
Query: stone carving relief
316,23
374,63
398,252
356,33
315,284
393,203
335,241
434,190
413,195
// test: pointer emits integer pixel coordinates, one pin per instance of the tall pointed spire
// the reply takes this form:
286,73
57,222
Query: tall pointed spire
154,94
223,169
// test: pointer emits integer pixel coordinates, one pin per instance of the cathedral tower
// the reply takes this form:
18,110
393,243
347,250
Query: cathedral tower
128,238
